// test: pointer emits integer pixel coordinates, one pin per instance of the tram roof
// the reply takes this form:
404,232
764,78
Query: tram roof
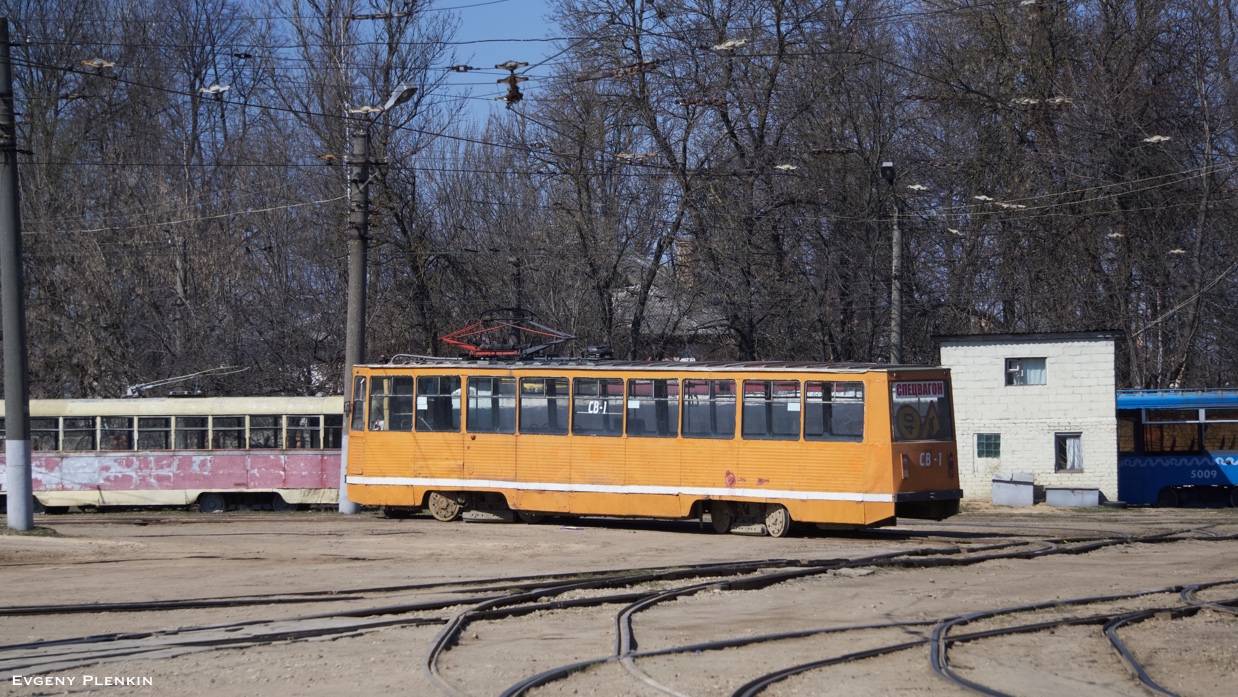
185,406
675,366
1177,399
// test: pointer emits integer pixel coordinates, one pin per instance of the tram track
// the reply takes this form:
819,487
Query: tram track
627,655
631,591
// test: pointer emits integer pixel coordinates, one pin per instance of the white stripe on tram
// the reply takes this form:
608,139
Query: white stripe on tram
721,492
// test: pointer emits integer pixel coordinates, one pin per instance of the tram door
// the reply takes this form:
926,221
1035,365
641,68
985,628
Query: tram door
490,428
543,448
438,448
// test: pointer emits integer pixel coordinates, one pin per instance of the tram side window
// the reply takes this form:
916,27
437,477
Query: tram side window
438,403
771,410
598,406
391,403
154,432
544,406
227,432
1221,429
45,434
834,411
333,431
1171,431
303,432
492,405
709,408
79,433
357,423
653,408
116,433
264,431
1128,426
190,433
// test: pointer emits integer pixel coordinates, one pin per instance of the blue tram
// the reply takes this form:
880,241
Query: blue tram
1178,447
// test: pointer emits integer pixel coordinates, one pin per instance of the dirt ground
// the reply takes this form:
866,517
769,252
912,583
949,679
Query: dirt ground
312,604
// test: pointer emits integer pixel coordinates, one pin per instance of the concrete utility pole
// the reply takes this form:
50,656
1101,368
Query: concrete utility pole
896,274
20,484
358,263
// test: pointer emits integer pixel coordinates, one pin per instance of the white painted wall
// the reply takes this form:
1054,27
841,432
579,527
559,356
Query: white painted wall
1078,396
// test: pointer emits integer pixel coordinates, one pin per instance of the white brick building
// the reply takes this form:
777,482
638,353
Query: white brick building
1037,403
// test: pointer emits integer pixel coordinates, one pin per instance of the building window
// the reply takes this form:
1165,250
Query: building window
989,445
1025,371
1069,452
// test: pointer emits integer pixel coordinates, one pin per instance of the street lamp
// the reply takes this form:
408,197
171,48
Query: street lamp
358,261
896,274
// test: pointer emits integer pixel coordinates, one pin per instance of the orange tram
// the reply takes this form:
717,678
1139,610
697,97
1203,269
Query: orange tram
757,445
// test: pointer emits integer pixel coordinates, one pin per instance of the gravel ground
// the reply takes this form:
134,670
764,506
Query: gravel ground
303,646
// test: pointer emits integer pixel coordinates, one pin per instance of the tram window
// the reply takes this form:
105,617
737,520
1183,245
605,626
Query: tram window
438,403
709,408
303,432
1128,426
332,431
1221,436
391,403
79,433
45,434
264,431
771,409
1221,414
598,406
227,432
116,433
1171,438
492,405
834,411
2,436
191,432
154,433
653,408
544,406
357,410
1171,416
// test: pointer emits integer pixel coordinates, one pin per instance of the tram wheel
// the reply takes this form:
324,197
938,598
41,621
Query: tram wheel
777,520
278,503
722,515
212,503
530,517
443,507
1167,498
1233,497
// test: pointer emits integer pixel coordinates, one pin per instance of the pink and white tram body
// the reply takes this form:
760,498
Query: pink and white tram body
178,451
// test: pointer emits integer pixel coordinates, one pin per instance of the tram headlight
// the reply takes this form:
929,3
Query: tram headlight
906,467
